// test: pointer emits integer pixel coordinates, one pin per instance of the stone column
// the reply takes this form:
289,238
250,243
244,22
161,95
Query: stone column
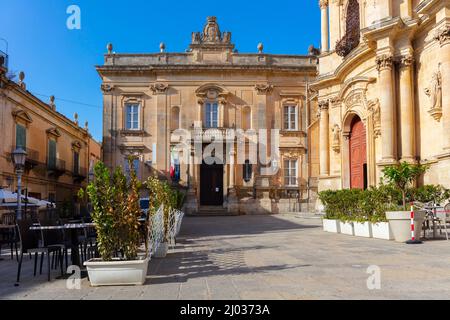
385,83
407,108
324,25
443,36
162,141
108,125
324,138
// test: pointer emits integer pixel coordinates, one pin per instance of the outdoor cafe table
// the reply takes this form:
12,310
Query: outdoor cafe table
73,227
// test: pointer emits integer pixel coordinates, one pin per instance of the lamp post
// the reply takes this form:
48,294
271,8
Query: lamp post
19,157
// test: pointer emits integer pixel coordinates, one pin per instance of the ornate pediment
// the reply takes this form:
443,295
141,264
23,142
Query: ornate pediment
211,91
21,115
53,132
76,145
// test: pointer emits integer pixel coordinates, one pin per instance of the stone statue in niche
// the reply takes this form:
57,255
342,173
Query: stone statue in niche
435,93
336,138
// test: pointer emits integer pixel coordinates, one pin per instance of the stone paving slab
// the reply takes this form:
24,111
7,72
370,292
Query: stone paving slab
283,256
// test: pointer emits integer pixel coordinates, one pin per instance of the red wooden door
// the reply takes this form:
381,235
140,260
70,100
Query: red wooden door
357,154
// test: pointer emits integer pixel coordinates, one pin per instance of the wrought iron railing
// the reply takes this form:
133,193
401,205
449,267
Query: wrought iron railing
349,42
56,165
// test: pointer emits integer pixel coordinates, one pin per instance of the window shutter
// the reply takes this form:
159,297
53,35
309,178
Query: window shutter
52,153
21,136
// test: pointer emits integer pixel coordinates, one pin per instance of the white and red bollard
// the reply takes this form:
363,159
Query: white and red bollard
413,236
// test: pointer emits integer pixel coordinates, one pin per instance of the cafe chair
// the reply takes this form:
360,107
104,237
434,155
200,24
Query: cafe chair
33,242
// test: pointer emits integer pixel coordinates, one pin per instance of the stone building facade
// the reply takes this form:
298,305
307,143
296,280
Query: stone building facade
384,89
59,150
208,91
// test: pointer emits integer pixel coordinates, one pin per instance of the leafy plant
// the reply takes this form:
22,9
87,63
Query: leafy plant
115,211
435,193
161,193
402,175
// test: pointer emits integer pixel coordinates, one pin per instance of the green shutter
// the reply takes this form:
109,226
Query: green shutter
21,136
76,162
52,153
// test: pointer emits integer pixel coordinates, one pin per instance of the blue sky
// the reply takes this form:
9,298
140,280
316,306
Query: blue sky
61,62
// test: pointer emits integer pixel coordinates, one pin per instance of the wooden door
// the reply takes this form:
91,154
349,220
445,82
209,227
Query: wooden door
211,184
358,161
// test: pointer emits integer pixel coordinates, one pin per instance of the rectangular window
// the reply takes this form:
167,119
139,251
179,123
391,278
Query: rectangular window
21,136
76,162
290,173
290,118
132,117
51,158
211,115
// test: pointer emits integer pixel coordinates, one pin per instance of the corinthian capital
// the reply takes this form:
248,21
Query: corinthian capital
443,35
323,4
406,61
324,105
263,88
384,62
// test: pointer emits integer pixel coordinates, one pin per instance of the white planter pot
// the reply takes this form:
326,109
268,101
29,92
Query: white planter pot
331,225
382,230
116,273
400,222
362,229
161,250
346,228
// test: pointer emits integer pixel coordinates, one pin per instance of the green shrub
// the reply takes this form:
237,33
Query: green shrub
435,193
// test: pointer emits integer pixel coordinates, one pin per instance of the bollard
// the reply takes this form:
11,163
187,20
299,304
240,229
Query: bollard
413,237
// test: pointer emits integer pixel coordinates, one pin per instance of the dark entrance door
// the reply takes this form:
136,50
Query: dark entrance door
358,162
211,184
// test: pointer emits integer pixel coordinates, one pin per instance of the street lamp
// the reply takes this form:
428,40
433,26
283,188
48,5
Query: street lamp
19,157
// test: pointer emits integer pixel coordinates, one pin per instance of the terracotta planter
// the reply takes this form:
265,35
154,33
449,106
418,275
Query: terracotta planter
331,225
400,223
116,273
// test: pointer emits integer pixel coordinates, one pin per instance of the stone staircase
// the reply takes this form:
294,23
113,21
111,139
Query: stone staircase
213,211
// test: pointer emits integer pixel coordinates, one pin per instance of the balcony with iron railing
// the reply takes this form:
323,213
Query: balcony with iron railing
79,174
56,167
349,42
32,158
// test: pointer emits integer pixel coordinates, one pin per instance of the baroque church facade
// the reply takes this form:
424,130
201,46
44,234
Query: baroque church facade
155,103
384,90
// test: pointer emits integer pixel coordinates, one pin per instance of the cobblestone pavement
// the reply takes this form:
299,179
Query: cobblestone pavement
263,257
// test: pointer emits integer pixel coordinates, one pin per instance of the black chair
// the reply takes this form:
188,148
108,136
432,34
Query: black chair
8,235
33,242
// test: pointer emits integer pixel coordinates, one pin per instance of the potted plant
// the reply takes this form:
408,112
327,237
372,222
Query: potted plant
361,224
161,193
330,220
402,176
115,213
381,200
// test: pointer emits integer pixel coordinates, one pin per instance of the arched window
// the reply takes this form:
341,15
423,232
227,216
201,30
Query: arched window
175,118
246,118
352,30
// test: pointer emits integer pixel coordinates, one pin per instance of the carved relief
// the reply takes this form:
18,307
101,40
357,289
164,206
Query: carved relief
352,99
263,88
443,35
374,108
435,93
336,144
384,62
159,88
106,87
323,4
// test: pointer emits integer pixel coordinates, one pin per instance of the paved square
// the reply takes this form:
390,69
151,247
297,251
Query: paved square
263,257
